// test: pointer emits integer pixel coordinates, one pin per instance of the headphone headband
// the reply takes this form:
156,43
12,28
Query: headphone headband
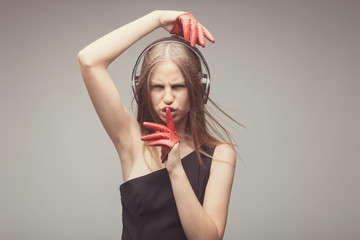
204,77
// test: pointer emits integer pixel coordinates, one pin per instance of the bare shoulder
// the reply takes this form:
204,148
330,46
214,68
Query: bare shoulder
224,153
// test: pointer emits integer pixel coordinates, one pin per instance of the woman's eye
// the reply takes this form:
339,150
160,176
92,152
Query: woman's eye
179,86
156,86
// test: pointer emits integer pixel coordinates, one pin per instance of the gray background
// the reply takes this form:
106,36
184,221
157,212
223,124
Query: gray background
288,70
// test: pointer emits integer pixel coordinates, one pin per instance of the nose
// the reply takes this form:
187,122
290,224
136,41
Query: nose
168,96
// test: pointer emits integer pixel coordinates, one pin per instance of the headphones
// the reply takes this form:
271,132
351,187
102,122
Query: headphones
203,77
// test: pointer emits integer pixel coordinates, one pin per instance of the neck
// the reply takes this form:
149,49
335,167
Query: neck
181,131
184,136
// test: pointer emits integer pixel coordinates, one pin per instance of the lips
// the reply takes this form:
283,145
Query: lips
163,111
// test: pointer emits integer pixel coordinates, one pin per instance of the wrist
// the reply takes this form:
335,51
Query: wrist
176,172
156,14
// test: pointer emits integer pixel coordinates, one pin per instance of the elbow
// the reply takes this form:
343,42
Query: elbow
87,61
217,234
214,234
84,60
211,234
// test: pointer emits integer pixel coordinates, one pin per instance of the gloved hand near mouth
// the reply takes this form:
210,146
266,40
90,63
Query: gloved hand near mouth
163,136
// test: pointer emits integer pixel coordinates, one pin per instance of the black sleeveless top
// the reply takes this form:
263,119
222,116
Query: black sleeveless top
148,205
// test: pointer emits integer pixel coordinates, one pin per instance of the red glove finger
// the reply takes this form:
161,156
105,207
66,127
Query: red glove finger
155,136
161,142
186,25
194,32
201,39
208,35
156,127
170,121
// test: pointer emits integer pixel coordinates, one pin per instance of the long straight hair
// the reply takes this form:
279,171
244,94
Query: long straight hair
201,125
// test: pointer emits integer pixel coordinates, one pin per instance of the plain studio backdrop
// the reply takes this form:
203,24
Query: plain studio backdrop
287,70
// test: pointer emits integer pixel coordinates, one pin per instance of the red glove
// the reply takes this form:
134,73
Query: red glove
187,26
164,136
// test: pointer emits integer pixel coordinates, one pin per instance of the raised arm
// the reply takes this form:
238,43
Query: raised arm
94,60
106,49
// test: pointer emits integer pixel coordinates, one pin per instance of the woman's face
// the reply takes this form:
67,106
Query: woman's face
168,89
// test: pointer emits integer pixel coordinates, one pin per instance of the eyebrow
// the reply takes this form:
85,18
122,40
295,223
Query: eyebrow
176,82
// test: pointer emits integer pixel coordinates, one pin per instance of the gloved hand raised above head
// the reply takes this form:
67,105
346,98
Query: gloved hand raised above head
163,136
187,26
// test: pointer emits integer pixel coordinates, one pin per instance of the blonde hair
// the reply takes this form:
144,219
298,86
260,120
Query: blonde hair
198,127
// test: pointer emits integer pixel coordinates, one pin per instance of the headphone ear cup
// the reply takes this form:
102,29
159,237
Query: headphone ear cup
134,83
205,83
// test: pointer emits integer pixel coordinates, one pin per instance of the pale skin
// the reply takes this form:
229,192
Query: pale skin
205,221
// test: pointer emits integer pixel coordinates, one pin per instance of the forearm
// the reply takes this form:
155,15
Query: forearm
196,223
107,48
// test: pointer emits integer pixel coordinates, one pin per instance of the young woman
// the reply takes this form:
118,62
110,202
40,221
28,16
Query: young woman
178,185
